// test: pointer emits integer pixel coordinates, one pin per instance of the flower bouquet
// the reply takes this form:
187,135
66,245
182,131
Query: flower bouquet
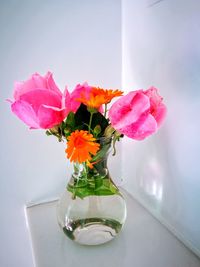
90,126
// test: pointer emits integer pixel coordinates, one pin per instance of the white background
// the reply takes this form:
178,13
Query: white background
82,41
78,41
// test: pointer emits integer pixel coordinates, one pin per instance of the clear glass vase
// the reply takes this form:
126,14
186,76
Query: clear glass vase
92,209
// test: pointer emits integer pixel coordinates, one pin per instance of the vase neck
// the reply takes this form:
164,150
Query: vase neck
98,164
95,169
93,178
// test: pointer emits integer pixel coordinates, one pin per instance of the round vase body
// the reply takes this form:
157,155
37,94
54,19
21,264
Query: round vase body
92,209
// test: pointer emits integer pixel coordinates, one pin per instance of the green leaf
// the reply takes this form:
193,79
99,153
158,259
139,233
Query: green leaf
70,120
99,119
67,131
109,131
101,153
97,130
48,133
82,117
98,183
98,186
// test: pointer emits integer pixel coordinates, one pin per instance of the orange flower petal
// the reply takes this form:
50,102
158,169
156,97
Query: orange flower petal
80,146
98,97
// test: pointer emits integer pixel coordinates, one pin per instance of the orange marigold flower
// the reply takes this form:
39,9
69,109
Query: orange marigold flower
80,146
99,96
107,94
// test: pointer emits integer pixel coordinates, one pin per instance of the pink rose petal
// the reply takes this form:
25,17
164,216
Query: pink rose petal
157,109
25,112
79,89
139,130
66,101
38,97
160,114
128,109
36,82
51,85
49,116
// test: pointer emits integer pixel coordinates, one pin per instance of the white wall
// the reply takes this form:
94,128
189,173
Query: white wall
161,48
81,40
78,41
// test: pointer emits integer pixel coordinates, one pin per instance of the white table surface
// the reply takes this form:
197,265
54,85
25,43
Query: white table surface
143,242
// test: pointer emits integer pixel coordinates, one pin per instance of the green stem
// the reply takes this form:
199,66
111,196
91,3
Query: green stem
90,122
105,110
86,170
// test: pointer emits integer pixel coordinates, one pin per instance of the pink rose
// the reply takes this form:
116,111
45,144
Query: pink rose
79,90
138,114
39,103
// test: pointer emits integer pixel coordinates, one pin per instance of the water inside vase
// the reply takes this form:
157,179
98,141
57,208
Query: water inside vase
92,220
92,231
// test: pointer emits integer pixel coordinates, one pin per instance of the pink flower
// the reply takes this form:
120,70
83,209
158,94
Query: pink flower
138,114
39,103
79,90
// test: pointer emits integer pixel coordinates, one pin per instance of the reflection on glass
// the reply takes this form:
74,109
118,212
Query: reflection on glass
151,181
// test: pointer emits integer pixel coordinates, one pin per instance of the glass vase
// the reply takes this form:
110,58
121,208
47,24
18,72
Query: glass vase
92,209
